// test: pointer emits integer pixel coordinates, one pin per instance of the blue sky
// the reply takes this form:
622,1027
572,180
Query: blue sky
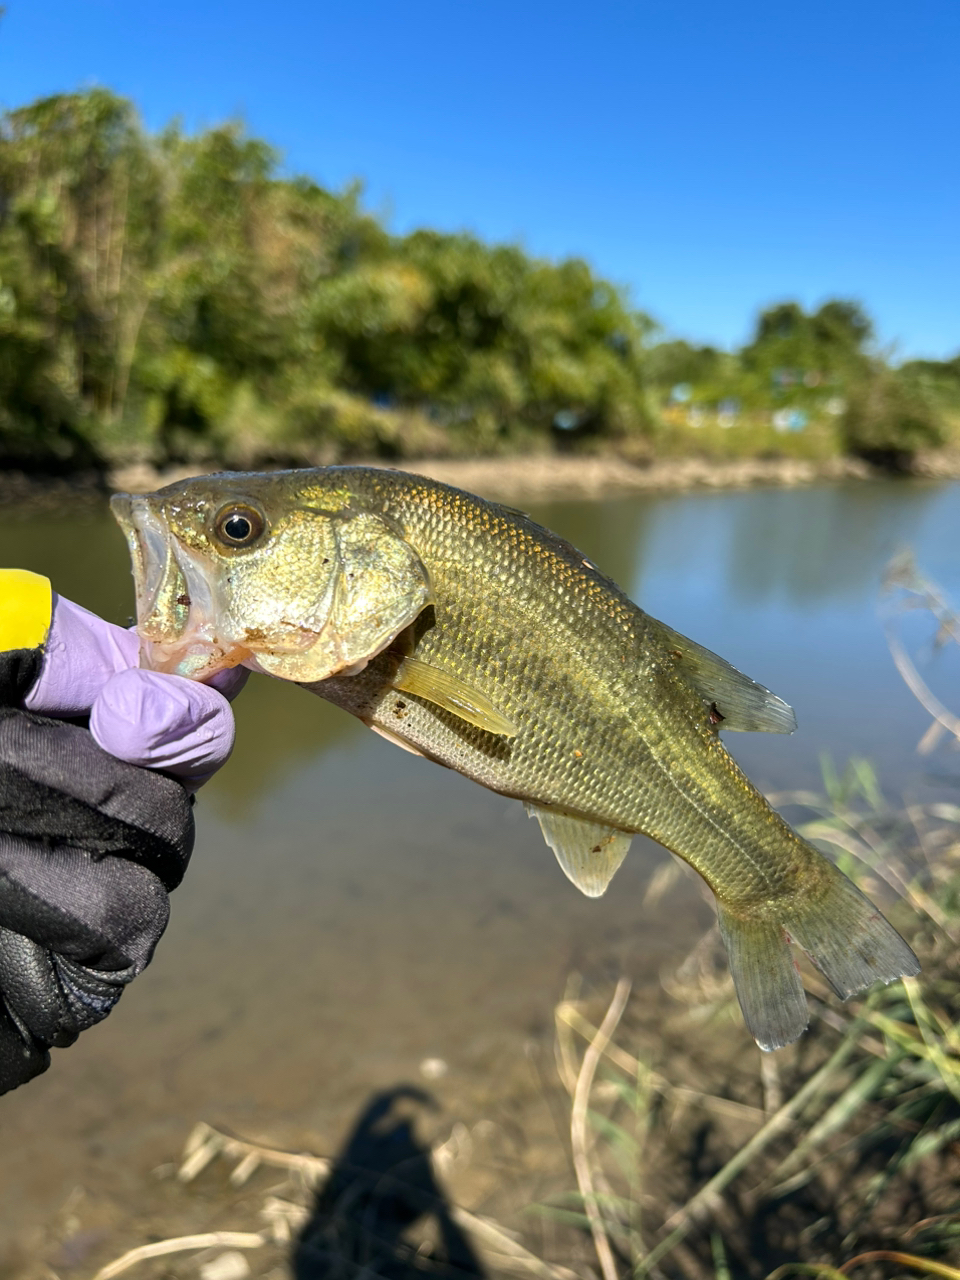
712,157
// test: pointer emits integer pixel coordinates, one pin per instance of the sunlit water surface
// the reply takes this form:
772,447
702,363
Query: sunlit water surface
352,911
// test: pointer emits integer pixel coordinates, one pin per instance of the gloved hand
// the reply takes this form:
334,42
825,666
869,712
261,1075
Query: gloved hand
91,842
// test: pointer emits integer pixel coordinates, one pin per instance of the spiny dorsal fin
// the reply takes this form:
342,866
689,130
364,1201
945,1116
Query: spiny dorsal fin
447,691
589,853
734,700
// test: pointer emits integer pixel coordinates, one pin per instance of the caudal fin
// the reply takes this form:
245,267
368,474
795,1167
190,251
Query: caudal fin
841,931
768,985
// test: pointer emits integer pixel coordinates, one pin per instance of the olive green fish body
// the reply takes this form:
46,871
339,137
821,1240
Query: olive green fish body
607,729
464,631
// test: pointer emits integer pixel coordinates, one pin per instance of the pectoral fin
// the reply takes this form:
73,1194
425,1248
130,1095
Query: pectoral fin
734,700
589,853
447,691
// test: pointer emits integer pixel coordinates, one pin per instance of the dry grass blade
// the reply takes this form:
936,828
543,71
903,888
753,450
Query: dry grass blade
770,1081
920,690
578,1127
924,1223
502,1249
206,1143
180,1244
566,1058
902,575
805,1269
927,1265
570,1016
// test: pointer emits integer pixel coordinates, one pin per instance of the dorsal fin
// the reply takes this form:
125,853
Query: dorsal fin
733,699
589,853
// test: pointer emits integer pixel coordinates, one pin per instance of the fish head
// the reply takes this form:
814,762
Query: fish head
284,574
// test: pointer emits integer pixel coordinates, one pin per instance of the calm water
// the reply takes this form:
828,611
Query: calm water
352,910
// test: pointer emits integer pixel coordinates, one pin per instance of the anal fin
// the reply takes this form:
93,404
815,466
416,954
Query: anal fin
589,853
452,694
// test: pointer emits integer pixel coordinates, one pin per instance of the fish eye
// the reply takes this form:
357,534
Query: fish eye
239,526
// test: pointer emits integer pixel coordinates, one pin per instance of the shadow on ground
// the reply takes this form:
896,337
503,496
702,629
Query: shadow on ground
381,1212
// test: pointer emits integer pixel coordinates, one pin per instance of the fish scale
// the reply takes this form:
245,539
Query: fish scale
464,631
627,742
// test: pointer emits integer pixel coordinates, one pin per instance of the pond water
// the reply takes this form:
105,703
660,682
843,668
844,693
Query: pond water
352,911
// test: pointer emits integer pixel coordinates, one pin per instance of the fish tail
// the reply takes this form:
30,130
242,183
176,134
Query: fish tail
841,931
768,985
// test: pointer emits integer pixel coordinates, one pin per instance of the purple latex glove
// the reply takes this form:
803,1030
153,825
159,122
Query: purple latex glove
146,718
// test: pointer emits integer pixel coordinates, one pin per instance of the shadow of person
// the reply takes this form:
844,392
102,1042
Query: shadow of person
380,1213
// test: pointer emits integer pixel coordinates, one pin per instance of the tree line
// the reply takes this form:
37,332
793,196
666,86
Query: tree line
173,297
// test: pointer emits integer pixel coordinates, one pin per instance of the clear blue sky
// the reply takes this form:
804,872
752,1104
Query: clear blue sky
714,157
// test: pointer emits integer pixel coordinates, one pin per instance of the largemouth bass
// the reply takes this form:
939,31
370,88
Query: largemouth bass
465,632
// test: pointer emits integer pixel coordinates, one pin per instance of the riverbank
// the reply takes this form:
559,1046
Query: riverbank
836,1150
559,477
530,478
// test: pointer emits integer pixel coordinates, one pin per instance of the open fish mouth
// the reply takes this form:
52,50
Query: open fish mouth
177,608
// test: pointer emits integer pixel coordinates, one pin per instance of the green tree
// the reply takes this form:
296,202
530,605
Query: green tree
890,416
829,343
79,215
174,296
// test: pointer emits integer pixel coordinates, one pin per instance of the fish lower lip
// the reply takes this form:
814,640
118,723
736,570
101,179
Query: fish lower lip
191,656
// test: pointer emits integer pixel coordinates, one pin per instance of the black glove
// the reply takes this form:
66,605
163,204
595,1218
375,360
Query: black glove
89,848
90,844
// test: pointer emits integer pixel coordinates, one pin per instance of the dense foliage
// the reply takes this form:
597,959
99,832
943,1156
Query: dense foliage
174,297
814,373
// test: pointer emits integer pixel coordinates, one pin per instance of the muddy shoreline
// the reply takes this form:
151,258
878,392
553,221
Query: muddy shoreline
530,478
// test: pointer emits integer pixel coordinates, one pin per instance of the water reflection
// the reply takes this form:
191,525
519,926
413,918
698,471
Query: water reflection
820,544
614,534
804,547
82,552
